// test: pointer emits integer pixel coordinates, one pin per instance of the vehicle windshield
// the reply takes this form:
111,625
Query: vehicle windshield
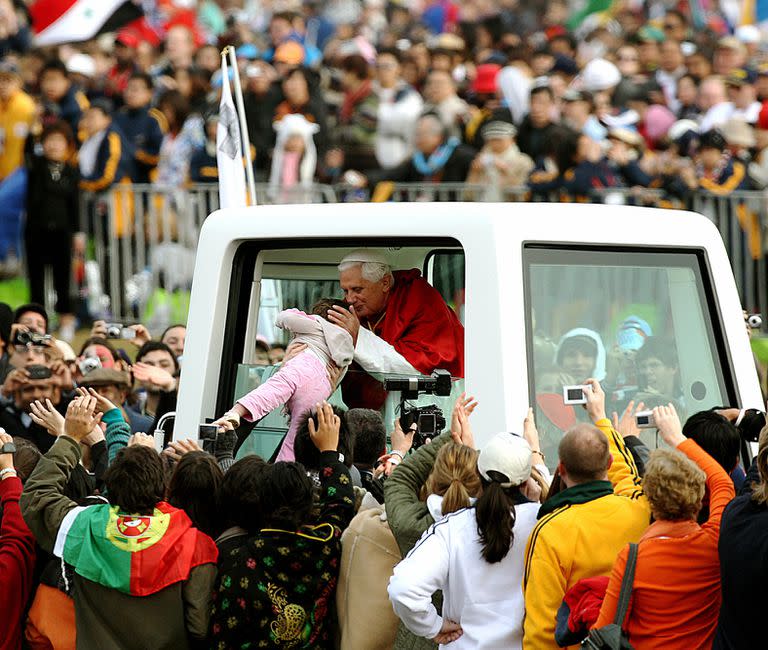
633,320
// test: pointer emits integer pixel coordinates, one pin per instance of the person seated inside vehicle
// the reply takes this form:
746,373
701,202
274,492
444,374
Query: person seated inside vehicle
399,324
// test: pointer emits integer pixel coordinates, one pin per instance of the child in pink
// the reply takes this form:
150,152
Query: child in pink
303,381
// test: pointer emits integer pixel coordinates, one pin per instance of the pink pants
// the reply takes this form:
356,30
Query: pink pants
300,384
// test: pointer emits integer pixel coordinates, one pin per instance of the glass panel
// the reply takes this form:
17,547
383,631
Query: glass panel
636,321
446,274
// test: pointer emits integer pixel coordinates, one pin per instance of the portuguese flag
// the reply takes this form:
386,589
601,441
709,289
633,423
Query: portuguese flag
135,554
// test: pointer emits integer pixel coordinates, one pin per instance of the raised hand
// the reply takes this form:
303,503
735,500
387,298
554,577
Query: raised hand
595,400
154,375
46,416
461,430
668,423
142,440
177,448
326,435
627,425
81,418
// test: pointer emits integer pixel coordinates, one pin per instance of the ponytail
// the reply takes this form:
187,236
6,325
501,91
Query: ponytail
495,515
456,497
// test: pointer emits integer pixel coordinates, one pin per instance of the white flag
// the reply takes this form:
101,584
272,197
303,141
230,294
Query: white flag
229,150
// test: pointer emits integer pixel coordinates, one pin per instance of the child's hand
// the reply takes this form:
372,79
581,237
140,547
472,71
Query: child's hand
326,436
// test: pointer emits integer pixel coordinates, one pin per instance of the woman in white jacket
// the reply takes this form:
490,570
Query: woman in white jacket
476,557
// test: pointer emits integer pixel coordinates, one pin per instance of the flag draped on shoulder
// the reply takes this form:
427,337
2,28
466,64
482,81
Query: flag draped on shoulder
134,554
229,148
65,21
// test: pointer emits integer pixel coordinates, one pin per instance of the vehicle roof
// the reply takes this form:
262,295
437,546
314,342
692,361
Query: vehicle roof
508,222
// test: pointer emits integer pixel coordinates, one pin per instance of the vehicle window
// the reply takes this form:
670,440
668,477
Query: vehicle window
636,321
318,279
445,271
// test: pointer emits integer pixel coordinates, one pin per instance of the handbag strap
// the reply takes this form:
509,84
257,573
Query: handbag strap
626,586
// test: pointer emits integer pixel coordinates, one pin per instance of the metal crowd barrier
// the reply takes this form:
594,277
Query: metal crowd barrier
145,236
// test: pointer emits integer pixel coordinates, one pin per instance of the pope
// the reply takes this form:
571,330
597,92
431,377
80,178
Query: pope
399,324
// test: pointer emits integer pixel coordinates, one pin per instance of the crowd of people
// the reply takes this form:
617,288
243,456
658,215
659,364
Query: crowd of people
104,542
520,99
112,535
350,536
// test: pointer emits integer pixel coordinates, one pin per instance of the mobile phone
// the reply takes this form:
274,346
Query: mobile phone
644,420
575,394
39,372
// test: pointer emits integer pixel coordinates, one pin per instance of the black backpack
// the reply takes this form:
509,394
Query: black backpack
612,636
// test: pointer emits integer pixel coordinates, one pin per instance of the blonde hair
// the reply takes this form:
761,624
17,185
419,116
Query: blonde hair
674,485
454,477
760,490
539,479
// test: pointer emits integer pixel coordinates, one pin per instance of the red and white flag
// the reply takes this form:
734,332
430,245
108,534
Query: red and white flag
68,21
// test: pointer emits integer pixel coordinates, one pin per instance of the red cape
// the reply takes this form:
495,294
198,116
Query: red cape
421,327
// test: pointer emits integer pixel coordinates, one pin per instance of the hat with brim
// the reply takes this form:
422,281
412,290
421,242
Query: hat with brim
627,136
9,68
506,459
498,129
106,377
731,43
738,133
741,77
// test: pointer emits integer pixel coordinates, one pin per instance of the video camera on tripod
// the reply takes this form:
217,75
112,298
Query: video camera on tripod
429,419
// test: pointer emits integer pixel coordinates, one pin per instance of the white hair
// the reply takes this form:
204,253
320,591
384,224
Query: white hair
371,271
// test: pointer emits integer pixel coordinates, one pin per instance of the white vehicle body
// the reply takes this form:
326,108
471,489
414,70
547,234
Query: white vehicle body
308,240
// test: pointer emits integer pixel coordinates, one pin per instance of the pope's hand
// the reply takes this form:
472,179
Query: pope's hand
346,318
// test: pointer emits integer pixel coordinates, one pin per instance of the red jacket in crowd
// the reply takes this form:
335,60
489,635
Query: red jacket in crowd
17,562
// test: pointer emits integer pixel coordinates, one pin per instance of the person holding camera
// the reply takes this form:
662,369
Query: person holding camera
583,527
14,416
143,574
285,574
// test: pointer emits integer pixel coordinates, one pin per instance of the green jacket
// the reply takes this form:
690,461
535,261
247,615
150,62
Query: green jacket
106,618
409,518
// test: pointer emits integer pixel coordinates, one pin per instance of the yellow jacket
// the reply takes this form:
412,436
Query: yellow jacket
16,118
580,541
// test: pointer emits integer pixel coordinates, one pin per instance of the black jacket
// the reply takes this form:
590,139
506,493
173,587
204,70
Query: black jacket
743,550
52,196
535,141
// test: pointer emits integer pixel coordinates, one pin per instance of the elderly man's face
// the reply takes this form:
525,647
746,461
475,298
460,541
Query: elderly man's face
368,298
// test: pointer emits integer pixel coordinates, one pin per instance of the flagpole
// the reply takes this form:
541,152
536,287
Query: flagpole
243,125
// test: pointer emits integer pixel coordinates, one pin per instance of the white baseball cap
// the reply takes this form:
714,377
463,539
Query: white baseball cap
508,456
599,74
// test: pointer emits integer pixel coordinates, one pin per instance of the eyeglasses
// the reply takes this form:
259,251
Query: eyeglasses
629,59
668,26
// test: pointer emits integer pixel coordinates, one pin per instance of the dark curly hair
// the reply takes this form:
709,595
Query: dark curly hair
135,481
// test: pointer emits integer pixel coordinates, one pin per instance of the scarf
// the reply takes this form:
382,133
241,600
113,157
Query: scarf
352,99
718,170
437,159
582,493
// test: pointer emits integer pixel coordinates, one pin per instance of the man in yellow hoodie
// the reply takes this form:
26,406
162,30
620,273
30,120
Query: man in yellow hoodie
582,528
